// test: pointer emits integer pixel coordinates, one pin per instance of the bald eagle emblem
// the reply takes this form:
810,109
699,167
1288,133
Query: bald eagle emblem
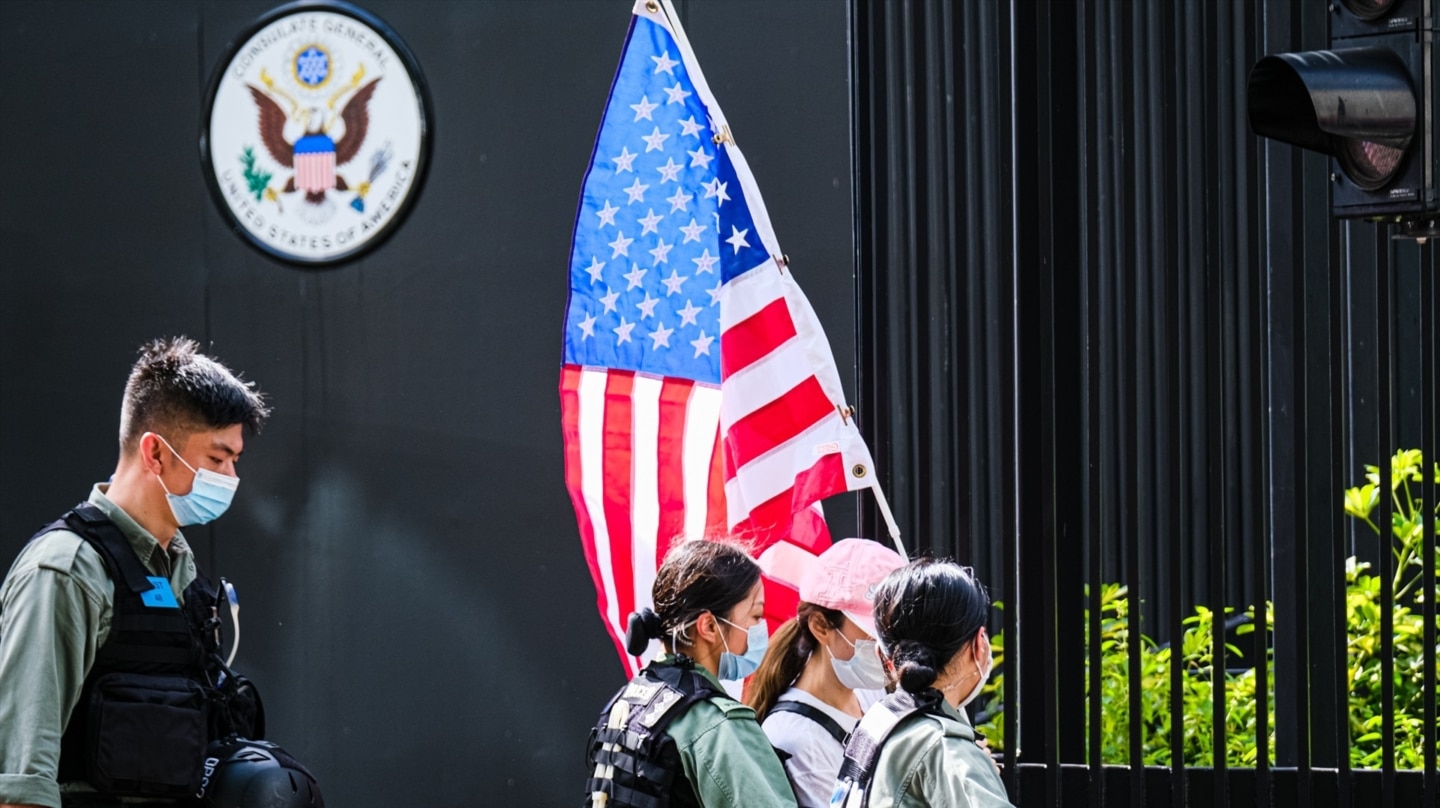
315,155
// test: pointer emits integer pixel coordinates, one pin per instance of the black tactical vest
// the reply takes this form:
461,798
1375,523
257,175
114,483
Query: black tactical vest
146,711
633,761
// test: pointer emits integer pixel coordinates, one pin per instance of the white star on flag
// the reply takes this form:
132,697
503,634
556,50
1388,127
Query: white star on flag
692,232
670,171
623,331
679,201
636,192
737,238
655,141
620,245
596,269
702,345
699,158
661,336
687,314
664,64
643,109
715,189
607,213
635,276
706,261
649,223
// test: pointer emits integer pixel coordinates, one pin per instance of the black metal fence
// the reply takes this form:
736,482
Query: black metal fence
1115,353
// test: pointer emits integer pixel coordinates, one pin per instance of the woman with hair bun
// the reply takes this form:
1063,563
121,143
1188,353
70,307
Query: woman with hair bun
822,670
916,747
672,737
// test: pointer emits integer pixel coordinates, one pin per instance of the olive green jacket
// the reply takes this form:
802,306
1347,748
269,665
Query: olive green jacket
727,757
933,760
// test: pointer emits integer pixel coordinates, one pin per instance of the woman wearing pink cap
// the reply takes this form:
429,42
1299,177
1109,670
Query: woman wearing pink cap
822,670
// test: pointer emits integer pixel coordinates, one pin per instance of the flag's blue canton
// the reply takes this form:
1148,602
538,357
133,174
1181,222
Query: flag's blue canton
662,224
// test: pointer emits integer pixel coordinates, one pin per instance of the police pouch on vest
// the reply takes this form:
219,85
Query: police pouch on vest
635,763
158,692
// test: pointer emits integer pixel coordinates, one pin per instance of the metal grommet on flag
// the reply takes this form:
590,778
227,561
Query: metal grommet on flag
652,7
858,470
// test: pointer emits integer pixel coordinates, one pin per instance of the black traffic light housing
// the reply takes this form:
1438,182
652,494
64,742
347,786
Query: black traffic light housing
1368,102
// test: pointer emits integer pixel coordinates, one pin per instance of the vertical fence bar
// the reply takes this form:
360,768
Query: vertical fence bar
1175,521
1091,178
1218,395
1430,488
1384,389
1341,346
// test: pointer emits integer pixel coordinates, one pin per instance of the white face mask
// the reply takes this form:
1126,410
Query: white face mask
984,677
863,670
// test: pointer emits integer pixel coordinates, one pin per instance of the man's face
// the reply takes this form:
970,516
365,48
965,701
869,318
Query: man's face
217,450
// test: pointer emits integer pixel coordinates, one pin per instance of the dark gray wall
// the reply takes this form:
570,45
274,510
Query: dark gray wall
416,605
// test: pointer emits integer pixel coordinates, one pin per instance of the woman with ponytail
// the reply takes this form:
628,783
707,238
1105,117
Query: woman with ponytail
916,747
822,669
672,737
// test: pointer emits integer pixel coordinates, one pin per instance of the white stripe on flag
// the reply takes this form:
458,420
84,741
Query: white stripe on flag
592,457
774,472
702,419
763,381
748,293
644,486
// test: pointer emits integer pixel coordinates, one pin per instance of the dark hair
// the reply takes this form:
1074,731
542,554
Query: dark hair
790,648
925,613
697,577
174,390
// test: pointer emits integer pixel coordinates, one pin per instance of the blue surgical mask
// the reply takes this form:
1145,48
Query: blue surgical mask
862,671
734,667
209,496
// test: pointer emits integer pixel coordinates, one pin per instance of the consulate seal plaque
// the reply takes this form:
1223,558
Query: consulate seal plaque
316,132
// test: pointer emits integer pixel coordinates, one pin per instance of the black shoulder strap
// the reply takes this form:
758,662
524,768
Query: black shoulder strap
148,627
815,714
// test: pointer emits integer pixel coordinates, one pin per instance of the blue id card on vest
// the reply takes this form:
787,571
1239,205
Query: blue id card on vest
161,597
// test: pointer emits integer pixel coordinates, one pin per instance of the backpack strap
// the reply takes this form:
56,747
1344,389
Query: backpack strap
862,750
813,713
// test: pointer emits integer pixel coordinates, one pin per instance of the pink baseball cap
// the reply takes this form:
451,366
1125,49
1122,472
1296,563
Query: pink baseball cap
844,578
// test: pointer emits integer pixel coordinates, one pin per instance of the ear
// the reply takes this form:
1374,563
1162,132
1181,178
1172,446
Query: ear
150,451
707,628
820,628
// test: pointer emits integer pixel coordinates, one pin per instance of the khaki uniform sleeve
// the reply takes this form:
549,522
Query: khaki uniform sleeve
54,614
732,764
955,772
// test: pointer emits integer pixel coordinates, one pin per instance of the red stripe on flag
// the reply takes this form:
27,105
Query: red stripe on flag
570,430
674,407
771,520
716,519
755,336
775,423
617,477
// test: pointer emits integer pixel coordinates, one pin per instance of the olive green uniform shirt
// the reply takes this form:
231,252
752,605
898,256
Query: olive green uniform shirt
933,760
726,756
56,605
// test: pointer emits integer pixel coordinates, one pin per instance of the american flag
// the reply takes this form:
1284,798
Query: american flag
699,396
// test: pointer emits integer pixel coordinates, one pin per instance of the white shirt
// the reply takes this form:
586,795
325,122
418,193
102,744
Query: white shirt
815,756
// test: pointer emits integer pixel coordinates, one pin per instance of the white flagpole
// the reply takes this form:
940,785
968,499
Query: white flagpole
889,520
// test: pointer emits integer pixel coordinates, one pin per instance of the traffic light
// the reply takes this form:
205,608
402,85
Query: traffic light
1367,102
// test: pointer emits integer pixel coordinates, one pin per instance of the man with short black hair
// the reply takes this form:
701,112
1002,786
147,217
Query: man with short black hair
109,598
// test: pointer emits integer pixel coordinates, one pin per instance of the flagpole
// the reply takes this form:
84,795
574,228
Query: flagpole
889,520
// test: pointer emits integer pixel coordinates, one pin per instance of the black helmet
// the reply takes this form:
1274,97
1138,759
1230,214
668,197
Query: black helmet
240,773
